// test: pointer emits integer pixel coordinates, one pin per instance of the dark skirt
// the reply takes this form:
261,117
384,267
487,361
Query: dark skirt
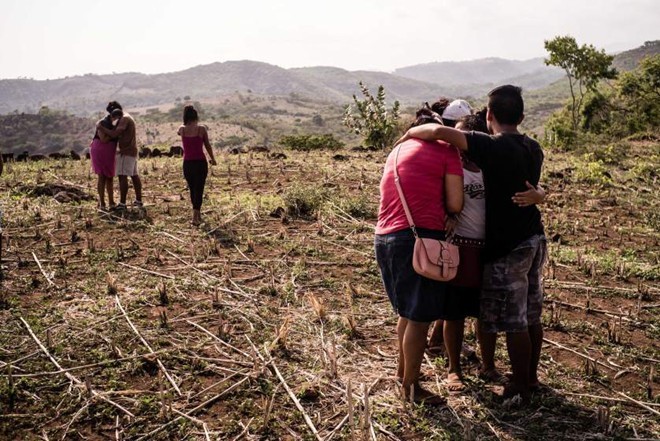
412,296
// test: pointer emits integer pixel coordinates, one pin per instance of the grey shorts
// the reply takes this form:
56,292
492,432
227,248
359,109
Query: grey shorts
126,165
512,291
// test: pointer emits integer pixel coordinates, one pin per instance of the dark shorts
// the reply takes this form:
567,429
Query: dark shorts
512,292
412,296
460,302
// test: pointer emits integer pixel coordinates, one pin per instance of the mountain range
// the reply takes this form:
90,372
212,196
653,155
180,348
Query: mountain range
87,94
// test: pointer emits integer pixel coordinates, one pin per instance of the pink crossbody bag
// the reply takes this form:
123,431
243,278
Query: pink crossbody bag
432,258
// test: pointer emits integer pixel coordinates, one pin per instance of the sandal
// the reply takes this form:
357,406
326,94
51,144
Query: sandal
493,376
435,351
510,392
455,383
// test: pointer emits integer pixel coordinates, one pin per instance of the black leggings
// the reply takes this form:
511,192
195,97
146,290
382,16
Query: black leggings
195,173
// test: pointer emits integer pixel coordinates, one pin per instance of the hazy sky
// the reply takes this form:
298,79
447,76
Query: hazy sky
51,39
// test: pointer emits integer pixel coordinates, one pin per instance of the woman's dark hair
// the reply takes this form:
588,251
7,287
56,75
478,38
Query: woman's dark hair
440,105
112,105
439,108
426,115
189,114
117,113
476,122
107,122
506,104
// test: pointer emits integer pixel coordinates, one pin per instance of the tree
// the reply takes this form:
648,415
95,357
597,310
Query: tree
371,119
640,93
584,65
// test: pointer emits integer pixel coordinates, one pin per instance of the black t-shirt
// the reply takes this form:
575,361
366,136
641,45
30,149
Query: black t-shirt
507,161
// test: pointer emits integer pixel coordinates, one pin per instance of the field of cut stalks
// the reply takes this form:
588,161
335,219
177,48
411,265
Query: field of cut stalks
270,321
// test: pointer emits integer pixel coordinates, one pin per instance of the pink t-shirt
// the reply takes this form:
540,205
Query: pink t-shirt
422,167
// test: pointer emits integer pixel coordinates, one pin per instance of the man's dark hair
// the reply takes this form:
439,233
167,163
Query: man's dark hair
112,105
189,114
506,104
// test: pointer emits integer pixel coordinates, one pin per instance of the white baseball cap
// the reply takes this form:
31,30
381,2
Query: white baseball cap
456,110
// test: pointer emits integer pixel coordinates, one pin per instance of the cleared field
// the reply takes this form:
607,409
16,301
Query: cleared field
270,321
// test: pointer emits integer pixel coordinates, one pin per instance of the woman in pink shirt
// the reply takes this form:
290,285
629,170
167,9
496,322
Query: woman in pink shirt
431,177
195,169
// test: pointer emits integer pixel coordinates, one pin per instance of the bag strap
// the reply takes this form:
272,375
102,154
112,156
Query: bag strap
397,183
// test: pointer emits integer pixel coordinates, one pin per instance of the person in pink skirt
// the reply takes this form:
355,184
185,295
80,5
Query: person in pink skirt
102,152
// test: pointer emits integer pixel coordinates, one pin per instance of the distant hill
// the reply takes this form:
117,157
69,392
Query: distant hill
628,60
530,74
87,94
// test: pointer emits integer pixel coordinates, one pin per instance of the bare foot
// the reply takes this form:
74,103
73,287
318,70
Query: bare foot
455,382
425,397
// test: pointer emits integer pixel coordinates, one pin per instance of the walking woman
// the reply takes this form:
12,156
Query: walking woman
431,177
195,168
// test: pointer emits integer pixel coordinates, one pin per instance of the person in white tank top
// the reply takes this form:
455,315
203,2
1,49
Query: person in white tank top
469,227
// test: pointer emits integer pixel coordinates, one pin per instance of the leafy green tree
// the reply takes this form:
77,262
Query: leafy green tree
371,119
585,67
639,91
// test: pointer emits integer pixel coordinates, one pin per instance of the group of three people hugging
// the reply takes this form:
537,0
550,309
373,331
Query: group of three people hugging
473,176
114,152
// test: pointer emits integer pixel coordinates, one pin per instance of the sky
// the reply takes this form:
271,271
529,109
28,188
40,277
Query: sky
56,38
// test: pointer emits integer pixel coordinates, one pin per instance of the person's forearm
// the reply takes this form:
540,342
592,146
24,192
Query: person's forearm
436,132
111,133
210,152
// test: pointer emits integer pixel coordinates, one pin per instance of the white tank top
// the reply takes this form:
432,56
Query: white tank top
472,220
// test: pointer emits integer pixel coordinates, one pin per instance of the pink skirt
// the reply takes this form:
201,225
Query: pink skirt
103,157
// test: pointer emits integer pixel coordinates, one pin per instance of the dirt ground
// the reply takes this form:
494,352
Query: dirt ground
270,322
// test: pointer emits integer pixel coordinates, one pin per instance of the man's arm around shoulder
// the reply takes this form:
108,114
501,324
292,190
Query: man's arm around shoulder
121,127
436,132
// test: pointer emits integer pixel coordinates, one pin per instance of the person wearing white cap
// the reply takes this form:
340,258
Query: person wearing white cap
451,114
456,110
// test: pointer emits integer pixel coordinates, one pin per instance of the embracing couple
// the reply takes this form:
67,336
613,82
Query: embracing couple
113,152
474,176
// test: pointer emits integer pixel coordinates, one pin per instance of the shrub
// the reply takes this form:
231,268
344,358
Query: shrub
592,171
371,119
311,142
304,202
231,141
360,206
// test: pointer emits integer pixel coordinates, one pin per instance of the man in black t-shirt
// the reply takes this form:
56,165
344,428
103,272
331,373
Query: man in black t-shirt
512,290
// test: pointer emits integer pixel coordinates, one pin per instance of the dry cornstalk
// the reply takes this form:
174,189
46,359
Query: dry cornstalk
318,306
295,400
50,282
639,403
144,342
593,360
137,268
349,402
195,409
216,338
70,376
